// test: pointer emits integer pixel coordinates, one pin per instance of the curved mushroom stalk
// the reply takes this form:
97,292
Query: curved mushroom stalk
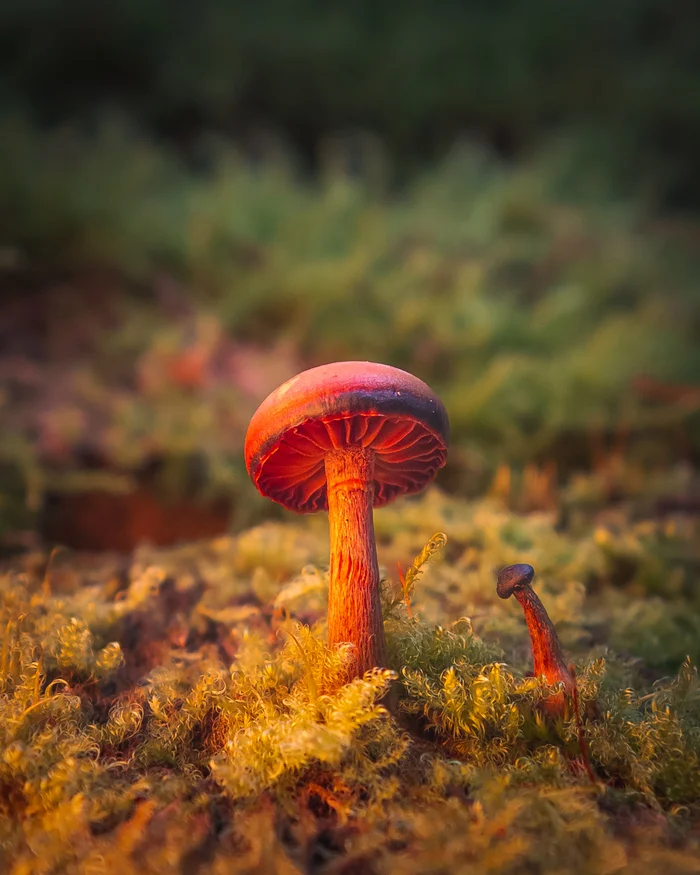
549,659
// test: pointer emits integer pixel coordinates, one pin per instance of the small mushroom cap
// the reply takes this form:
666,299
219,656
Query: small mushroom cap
513,577
346,404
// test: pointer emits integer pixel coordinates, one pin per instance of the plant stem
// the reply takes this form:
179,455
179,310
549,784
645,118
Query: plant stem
354,606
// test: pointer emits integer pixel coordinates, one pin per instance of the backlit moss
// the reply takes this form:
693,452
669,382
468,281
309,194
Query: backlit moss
181,719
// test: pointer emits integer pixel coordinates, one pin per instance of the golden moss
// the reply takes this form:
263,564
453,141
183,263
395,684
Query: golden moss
179,720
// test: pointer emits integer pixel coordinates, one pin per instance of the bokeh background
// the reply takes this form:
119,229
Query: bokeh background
199,200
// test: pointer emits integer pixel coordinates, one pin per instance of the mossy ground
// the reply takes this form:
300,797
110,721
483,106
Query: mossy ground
174,710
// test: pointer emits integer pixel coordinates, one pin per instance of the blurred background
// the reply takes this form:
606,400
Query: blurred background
199,200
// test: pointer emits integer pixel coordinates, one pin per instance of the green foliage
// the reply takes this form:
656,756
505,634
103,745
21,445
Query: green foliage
181,718
531,308
417,75
408,580
628,744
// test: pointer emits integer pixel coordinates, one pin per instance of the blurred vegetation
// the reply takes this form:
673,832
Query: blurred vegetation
175,710
416,74
557,320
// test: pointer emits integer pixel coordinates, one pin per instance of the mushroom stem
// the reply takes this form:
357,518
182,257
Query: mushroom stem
546,649
354,606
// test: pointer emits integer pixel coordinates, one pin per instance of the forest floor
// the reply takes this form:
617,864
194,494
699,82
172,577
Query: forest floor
173,709
167,701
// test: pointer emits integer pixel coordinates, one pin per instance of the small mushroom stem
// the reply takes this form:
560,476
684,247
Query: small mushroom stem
354,606
546,649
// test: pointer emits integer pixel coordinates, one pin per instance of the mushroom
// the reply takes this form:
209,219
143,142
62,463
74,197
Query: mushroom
549,660
348,437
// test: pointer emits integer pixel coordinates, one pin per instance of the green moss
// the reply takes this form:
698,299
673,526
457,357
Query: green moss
182,718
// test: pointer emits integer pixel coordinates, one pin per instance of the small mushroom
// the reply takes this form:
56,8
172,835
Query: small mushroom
348,437
549,660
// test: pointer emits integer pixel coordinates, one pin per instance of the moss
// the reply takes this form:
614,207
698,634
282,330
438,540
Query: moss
177,717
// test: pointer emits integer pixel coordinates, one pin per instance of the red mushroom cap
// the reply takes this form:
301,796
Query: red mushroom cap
346,404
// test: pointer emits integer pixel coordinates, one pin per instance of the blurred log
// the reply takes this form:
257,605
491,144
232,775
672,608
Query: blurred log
111,521
108,519
668,393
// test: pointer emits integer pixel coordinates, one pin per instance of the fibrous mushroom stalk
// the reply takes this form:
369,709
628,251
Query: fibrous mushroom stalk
354,606
348,437
549,659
